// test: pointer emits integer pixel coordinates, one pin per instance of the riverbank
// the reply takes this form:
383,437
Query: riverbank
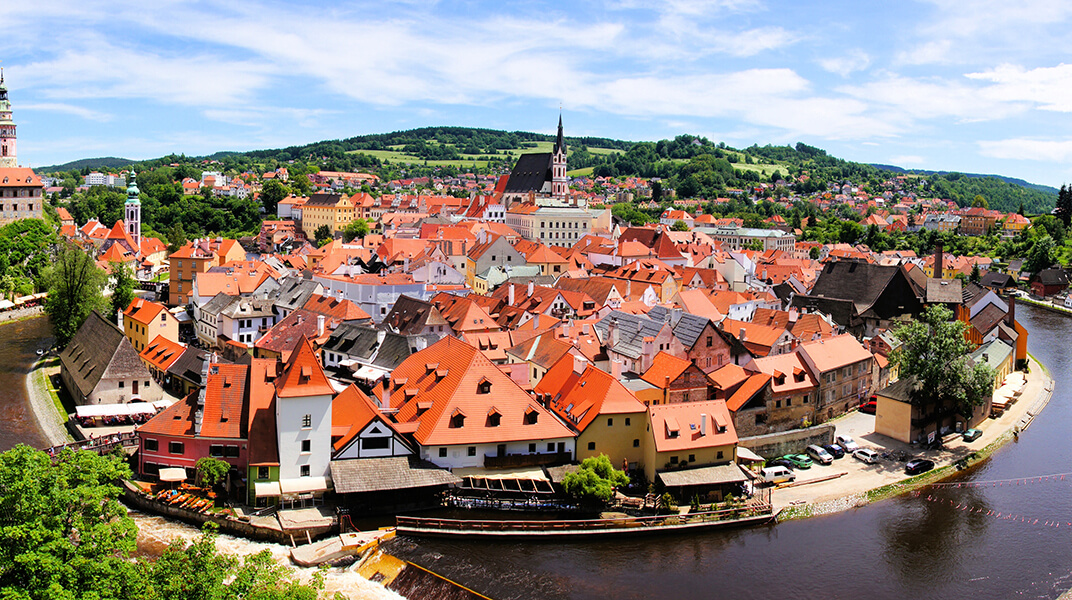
21,314
49,417
865,483
1047,305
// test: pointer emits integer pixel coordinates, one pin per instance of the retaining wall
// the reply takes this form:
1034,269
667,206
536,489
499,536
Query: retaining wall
795,441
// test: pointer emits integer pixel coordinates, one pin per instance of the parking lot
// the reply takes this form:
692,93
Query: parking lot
858,477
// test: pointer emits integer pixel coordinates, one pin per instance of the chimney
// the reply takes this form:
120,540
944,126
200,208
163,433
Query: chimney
510,294
532,288
703,424
584,328
579,364
319,325
616,369
741,335
939,255
566,328
119,317
612,332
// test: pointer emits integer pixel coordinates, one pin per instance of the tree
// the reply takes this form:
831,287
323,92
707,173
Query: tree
123,290
271,194
975,275
74,285
1041,255
322,235
679,226
176,236
211,470
595,480
1064,205
934,352
358,228
979,202
656,190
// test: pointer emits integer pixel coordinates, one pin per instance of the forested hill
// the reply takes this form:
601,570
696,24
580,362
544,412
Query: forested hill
692,165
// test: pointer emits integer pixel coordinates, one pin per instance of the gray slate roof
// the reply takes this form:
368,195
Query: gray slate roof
99,350
294,292
632,329
388,473
218,303
529,173
944,291
687,326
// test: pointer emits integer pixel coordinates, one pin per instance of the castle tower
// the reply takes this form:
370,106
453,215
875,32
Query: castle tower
132,211
559,181
7,128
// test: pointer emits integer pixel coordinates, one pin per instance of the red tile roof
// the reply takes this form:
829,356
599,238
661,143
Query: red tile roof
580,398
685,419
303,375
161,353
225,410
263,445
662,366
143,311
351,411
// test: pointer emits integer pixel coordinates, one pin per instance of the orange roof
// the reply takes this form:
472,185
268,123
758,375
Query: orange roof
161,353
728,377
789,372
580,398
236,283
303,375
263,445
454,386
333,308
678,426
143,311
665,365
175,420
542,350
759,339
64,214
18,177
748,389
351,411
225,411
836,352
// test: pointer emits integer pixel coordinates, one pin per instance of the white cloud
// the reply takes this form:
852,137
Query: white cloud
908,99
1048,87
71,109
854,60
1053,151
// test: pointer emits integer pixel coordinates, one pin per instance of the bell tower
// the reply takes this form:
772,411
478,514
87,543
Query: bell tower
7,128
559,181
132,212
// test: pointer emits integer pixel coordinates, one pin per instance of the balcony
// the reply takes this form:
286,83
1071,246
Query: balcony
527,460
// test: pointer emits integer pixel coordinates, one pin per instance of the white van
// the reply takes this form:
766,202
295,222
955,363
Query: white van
777,474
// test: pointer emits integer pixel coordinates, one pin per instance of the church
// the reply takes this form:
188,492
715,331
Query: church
21,190
540,177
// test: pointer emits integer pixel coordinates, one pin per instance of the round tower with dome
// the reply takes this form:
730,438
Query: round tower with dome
132,210
7,129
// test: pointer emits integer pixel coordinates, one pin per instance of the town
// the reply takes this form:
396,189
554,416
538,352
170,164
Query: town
477,340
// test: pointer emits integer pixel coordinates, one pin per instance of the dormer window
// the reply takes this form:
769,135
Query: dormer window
484,387
494,417
531,416
457,419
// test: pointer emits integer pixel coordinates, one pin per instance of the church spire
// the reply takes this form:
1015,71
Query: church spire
8,156
559,180
560,141
133,211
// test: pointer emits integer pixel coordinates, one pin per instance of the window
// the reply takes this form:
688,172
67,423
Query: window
307,421
215,450
176,448
777,404
263,473
531,417
494,419
442,453
692,458
551,447
377,443
673,460
532,448
591,445
710,341
306,446
121,384
146,383
627,421
151,445
719,454
471,451
847,372
231,451
457,421
305,470
788,402
610,422
636,442
484,387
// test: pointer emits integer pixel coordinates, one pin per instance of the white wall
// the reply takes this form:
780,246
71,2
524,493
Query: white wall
290,433
458,455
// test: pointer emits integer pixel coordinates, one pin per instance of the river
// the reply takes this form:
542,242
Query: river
905,547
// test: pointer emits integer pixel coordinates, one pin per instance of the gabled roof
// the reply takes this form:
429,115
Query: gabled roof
226,411
665,365
581,397
263,445
334,308
862,283
685,419
752,388
542,350
529,173
687,327
351,411
162,353
144,311
99,349
632,329
789,372
444,379
833,353
284,337
303,375
176,420
411,315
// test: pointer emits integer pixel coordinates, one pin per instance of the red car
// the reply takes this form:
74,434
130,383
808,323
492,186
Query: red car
869,406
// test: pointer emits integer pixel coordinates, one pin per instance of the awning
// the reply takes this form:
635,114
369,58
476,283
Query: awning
114,410
264,489
303,485
173,474
367,372
747,455
722,474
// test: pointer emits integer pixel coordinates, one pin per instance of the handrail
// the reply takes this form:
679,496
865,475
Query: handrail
541,525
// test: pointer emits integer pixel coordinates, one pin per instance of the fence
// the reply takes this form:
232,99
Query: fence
100,445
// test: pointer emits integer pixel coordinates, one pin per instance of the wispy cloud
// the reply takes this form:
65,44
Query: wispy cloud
71,109
1028,149
852,61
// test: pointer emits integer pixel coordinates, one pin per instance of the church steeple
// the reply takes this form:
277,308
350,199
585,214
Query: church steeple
559,181
7,128
132,210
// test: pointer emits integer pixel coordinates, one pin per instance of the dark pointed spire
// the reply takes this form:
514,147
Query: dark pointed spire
560,141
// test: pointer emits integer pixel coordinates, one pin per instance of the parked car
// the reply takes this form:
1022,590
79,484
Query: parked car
776,474
918,465
847,443
779,462
834,450
869,406
972,434
866,455
819,455
799,461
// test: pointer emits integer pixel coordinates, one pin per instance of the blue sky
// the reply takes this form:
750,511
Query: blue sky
977,86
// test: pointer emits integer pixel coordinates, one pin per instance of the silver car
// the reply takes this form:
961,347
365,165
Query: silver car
819,454
847,444
867,455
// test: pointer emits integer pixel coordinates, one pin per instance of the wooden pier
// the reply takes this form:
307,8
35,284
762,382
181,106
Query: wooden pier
753,514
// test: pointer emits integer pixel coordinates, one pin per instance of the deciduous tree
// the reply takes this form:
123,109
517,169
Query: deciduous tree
595,480
122,290
74,285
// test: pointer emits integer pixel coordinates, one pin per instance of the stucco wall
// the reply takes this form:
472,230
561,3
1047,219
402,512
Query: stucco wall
788,442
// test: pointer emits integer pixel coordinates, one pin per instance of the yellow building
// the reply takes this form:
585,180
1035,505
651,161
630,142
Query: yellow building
143,320
334,210
690,434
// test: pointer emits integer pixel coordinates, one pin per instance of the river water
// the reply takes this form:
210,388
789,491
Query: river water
940,544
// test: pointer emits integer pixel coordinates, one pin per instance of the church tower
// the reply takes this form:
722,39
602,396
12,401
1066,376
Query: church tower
7,128
559,181
133,211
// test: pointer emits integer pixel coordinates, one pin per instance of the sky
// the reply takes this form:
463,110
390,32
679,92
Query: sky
976,86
